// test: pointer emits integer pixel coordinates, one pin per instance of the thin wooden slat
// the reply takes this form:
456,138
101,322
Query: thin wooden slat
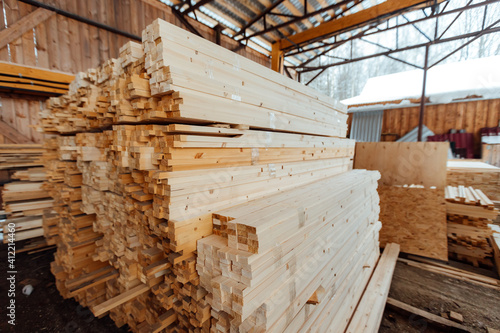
27,39
84,36
16,47
64,40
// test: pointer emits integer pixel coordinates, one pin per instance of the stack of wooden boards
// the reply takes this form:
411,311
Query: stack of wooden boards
481,176
14,156
134,192
270,258
469,213
24,201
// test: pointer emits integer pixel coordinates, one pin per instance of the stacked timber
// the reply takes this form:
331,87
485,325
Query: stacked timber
149,146
24,201
14,156
481,176
495,244
268,257
469,213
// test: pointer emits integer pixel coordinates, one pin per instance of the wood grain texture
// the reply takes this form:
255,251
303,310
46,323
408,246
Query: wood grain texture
441,118
402,163
414,218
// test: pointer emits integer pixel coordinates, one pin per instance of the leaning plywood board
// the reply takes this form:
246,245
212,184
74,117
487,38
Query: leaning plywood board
415,218
400,163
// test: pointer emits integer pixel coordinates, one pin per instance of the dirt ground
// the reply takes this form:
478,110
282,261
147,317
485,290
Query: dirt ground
46,311
435,293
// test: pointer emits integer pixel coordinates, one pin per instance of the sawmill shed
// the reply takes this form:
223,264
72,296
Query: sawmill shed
206,166
460,96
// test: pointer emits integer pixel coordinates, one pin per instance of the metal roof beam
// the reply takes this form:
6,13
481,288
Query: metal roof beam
383,10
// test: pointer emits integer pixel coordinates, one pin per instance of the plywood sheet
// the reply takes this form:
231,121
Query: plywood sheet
415,218
404,163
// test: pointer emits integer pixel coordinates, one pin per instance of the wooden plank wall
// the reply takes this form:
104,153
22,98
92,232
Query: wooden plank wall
63,44
440,118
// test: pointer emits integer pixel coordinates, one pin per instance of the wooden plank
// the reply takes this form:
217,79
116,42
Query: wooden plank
23,25
370,309
431,318
27,39
12,14
53,43
35,73
64,40
102,308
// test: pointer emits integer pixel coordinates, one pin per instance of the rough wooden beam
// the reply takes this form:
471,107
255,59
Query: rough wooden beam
23,25
350,21
35,73
12,134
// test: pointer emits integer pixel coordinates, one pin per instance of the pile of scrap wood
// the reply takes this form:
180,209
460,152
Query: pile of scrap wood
469,213
160,147
24,201
481,176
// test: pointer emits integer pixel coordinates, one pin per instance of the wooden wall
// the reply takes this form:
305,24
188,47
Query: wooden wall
440,118
63,44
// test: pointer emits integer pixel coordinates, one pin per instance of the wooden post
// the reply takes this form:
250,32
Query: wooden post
277,58
422,98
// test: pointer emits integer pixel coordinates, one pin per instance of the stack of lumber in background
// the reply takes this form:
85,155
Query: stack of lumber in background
411,190
414,213
495,244
133,192
481,176
24,199
469,213
491,153
15,156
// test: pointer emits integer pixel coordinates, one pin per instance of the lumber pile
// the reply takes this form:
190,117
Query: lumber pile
24,201
495,244
20,156
150,146
414,217
267,257
469,213
481,176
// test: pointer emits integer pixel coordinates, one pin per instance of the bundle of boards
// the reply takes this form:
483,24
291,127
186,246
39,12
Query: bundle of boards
14,156
481,176
470,213
23,199
153,144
